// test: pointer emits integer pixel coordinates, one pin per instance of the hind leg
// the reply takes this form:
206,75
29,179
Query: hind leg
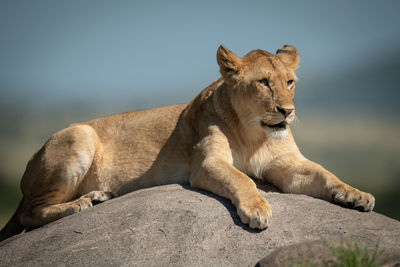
54,176
42,215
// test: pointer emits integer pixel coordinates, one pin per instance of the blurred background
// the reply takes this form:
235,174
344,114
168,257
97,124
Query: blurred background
70,61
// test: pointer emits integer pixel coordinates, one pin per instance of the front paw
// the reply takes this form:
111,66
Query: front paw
255,211
353,198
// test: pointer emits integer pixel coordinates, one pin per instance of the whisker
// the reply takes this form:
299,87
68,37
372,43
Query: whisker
296,121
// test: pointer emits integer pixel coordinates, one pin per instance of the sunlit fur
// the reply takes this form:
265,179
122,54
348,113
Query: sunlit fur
236,128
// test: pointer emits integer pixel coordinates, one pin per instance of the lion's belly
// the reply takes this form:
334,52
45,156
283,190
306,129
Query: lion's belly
126,172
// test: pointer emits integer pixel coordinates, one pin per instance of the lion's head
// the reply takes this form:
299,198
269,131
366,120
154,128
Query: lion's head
262,87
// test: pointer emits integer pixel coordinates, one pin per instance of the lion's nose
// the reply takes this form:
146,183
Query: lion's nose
285,111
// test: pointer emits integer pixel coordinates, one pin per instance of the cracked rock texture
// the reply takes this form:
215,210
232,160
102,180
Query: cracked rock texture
175,225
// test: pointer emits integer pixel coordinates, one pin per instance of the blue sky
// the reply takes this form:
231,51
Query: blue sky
114,50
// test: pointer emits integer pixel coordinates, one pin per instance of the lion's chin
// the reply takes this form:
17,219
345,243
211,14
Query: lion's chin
277,131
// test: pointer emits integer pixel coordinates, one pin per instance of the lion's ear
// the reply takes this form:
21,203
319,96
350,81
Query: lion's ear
228,62
289,56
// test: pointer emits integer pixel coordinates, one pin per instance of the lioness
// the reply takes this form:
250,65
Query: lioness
236,128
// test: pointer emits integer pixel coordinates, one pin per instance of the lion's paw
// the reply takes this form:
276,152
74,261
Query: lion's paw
255,212
353,198
83,203
77,206
98,196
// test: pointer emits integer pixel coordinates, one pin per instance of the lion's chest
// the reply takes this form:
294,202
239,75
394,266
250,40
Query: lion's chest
253,164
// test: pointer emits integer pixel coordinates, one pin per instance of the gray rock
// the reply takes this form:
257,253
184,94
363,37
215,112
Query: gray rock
176,225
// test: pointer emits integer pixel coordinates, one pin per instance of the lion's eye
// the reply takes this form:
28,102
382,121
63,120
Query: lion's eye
264,82
290,82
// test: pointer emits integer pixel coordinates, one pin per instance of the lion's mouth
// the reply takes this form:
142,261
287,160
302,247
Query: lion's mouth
281,125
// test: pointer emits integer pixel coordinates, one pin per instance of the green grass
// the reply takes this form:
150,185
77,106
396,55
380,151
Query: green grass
351,254
354,254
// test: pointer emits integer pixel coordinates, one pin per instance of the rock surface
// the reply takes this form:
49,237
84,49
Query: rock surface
179,226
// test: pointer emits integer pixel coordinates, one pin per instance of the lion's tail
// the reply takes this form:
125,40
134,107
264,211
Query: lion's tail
13,226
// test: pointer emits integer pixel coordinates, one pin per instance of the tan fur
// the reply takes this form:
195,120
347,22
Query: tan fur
236,128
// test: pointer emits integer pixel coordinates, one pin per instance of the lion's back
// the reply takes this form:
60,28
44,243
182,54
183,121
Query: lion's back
153,124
